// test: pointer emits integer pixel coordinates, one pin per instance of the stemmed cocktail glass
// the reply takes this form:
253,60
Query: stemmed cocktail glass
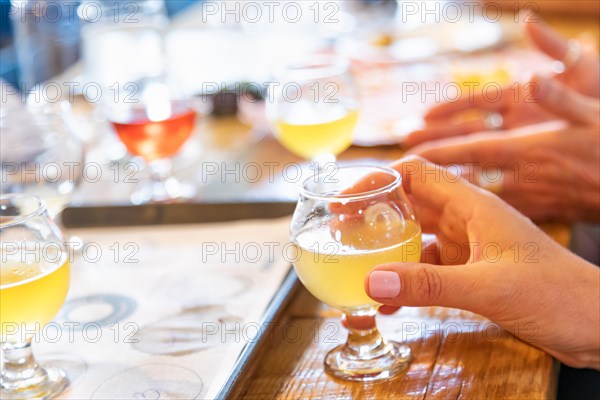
154,118
346,223
34,281
312,107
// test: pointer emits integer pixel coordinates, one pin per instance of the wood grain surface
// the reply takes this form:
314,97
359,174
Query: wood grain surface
456,355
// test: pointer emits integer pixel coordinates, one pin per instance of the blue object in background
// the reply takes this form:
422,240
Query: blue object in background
46,38
175,6
5,28
8,58
65,30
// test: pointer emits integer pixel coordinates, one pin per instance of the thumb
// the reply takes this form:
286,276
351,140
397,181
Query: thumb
468,287
563,101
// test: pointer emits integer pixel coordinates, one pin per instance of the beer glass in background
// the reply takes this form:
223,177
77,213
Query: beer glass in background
122,41
124,56
154,126
39,155
312,106
34,281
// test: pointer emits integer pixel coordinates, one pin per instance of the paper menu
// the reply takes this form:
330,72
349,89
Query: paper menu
164,311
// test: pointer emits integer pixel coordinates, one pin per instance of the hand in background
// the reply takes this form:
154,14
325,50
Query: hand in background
584,75
514,105
548,171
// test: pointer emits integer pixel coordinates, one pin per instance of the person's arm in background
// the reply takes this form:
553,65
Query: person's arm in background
444,120
548,171
571,7
549,288
551,171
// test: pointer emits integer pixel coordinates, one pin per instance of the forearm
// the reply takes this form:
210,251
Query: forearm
574,7
587,317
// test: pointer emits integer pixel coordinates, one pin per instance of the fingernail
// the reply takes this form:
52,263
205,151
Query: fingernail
384,284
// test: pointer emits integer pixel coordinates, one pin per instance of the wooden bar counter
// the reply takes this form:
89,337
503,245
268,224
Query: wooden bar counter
456,355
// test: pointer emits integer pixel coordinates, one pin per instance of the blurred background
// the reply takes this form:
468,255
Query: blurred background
84,82
66,30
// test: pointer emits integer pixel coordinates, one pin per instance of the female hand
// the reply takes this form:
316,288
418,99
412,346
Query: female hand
528,279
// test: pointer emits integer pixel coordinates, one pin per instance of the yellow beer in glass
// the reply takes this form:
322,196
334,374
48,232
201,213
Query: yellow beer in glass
346,223
34,281
32,291
335,274
312,106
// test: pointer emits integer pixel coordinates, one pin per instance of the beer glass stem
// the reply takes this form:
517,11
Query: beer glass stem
19,368
366,356
163,186
364,344
23,378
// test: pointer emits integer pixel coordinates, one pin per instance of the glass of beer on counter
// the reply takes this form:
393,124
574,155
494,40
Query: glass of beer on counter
154,119
346,223
312,107
34,281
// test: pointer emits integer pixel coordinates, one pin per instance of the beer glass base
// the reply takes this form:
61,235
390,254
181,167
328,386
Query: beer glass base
340,365
54,383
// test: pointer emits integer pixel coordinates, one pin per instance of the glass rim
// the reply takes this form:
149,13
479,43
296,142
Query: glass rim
397,182
318,62
41,208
